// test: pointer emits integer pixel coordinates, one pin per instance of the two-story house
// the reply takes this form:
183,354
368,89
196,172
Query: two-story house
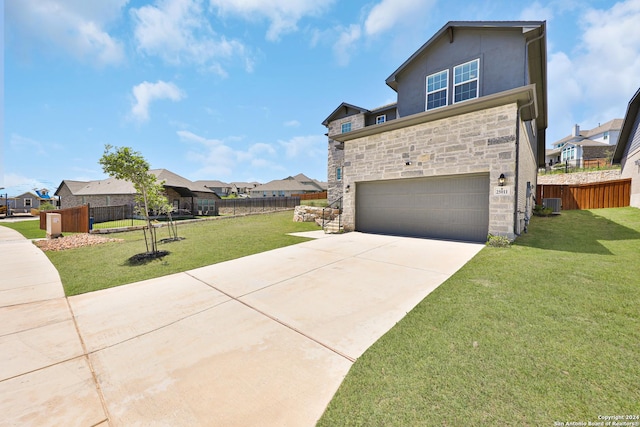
627,152
585,148
456,156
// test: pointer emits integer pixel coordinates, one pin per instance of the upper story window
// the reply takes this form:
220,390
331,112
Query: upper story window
606,135
568,153
465,81
437,89
381,119
346,127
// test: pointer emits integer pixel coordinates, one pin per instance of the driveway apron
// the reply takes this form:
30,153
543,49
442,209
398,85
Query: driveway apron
261,340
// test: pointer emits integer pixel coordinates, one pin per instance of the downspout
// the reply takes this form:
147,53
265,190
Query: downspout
516,179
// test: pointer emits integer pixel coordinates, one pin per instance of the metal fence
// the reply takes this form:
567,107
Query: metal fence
115,216
247,205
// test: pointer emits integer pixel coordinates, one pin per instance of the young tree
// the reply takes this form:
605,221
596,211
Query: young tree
128,165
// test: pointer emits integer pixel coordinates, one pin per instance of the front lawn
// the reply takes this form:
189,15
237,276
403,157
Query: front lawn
88,269
541,333
30,229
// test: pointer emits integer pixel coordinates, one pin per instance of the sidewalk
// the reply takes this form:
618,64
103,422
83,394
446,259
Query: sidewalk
45,377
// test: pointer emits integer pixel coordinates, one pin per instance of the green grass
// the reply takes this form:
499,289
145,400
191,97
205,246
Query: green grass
119,224
29,228
103,266
317,202
547,330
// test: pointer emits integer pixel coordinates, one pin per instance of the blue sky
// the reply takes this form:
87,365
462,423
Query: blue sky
236,90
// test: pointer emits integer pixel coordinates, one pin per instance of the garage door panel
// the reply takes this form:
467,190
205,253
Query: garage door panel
453,207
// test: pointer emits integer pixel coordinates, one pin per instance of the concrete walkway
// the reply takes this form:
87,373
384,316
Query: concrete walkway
262,340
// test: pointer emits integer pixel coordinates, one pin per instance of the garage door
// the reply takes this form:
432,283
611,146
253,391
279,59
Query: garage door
447,207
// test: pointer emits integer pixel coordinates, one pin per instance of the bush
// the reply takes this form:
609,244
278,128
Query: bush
498,241
540,210
46,206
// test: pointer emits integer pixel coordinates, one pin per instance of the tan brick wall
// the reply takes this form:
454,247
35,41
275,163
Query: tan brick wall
477,142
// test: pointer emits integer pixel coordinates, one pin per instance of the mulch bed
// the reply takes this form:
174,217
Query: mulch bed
73,241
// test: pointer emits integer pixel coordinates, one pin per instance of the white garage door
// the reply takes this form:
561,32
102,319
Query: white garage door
448,207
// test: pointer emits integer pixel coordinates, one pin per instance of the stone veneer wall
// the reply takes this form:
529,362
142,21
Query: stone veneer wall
477,142
336,156
579,177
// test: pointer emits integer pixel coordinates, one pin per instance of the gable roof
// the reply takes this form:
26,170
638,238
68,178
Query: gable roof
300,182
449,29
630,119
611,125
111,186
345,105
215,184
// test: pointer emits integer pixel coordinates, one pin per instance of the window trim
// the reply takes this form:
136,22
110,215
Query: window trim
476,79
27,202
383,117
343,125
446,90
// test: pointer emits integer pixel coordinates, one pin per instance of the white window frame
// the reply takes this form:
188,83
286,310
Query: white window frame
469,80
27,202
381,119
344,126
440,89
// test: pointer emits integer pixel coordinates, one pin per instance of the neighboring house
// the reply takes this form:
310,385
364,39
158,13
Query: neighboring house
471,109
299,184
24,202
627,152
181,193
586,148
243,188
222,189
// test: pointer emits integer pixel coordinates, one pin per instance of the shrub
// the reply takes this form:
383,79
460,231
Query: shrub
498,241
540,210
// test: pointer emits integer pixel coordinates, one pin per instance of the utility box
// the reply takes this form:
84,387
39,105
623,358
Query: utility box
54,225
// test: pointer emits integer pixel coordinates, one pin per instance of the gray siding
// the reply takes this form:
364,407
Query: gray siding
502,64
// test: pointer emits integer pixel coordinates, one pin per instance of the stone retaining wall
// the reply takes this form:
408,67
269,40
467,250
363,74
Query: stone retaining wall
313,214
579,177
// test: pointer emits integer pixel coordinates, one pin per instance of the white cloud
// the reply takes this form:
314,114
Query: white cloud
75,26
389,13
312,146
292,124
601,75
223,158
401,16
146,92
345,45
282,14
21,143
178,32
217,158
537,12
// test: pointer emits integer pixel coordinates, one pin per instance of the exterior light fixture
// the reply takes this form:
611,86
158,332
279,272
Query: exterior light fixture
408,163
501,180
348,188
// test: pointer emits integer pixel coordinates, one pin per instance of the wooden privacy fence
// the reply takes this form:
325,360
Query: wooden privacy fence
311,196
74,220
607,194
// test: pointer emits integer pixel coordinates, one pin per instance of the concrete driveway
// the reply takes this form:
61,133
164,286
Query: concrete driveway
262,340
